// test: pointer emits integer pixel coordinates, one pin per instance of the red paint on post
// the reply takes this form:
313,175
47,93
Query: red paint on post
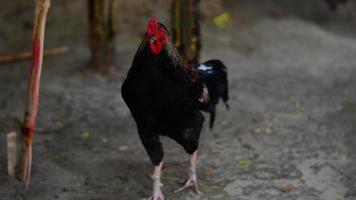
29,125
36,52
33,90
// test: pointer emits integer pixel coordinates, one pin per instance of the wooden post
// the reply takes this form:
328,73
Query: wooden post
112,31
186,29
102,15
11,139
29,123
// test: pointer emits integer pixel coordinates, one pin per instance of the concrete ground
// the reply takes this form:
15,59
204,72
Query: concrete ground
289,135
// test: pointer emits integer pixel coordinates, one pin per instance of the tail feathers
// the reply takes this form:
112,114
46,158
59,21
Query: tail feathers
211,68
225,96
216,63
214,75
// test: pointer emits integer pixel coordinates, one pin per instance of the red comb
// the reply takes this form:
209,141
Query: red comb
155,36
152,26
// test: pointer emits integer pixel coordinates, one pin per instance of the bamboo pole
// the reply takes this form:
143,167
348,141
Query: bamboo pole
28,55
29,124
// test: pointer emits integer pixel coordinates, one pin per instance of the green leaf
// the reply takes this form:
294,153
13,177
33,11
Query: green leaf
222,20
85,134
123,148
258,130
243,163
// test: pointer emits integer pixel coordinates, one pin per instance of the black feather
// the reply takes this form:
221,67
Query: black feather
163,97
214,75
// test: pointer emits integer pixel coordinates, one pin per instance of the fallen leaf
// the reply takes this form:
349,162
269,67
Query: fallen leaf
123,148
287,188
257,130
222,20
85,134
269,127
243,163
208,172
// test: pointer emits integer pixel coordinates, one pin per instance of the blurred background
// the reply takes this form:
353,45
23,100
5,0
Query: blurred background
289,134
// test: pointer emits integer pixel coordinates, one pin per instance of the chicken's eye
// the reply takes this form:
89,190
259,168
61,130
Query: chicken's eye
152,40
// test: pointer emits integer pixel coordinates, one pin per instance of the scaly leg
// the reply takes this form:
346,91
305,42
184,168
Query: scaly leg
191,182
157,193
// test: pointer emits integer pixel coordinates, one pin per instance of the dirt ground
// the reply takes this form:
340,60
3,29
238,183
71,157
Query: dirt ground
289,135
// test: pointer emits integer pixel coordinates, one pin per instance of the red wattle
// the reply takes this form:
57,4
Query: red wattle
156,47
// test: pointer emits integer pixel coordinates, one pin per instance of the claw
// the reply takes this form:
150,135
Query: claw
156,198
189,183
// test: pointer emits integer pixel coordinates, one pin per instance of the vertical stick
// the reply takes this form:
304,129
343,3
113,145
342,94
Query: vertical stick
11,138
186,29
111,35
29,125
102,17
96,25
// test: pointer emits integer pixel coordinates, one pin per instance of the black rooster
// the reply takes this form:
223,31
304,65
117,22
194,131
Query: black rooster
214,75
165,98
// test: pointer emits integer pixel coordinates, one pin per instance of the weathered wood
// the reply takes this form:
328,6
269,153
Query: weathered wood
186,29
29,124
102,16
112,32
28,55
11,139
